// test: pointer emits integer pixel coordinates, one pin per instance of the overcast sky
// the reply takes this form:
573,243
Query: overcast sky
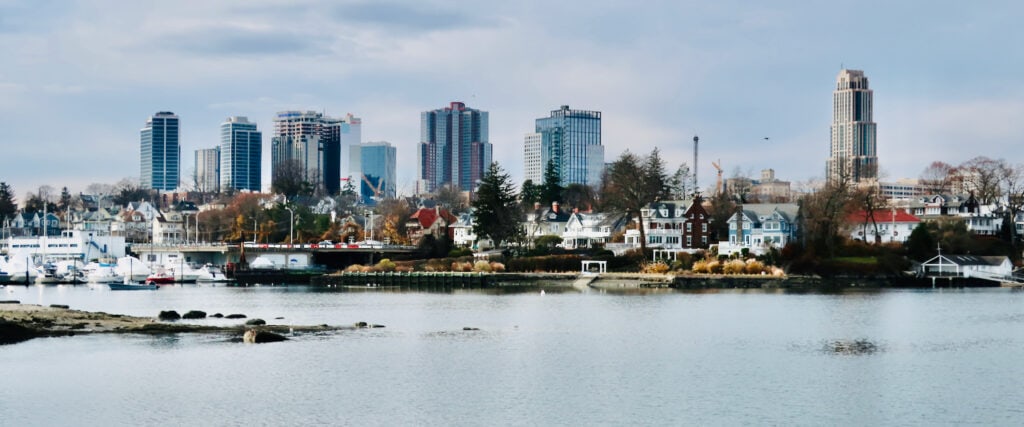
79,78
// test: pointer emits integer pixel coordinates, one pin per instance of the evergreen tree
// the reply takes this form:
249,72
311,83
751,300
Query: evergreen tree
65,200
8,206
551,189
496,213
920,244
529,193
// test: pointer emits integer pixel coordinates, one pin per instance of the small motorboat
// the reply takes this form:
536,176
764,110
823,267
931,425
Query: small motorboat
128,286
160,278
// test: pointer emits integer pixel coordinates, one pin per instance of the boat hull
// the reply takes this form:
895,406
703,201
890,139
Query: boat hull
131,287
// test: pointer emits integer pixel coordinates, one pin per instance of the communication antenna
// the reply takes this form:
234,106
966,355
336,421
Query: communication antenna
695,188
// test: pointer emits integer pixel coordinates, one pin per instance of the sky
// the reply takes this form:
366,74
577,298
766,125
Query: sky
78,79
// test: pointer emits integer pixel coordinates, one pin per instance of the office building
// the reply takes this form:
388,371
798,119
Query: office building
350,135
376,174
853,149
310,142
571,139
453,149
161,152
241,148
207,174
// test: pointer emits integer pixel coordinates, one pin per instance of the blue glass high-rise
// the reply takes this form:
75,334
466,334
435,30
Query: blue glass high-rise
377,163
241,147
571,139
160,152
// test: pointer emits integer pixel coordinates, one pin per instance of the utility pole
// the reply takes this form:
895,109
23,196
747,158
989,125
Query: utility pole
291,225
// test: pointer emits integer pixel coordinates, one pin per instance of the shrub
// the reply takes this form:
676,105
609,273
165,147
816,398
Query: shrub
715,267
460,252
701,267
735,266
353,268
385,265
753,266
482,266
654,268
497,267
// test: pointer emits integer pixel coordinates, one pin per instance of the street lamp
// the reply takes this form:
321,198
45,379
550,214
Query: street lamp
291,225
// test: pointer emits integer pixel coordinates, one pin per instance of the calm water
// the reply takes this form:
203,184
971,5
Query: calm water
665,358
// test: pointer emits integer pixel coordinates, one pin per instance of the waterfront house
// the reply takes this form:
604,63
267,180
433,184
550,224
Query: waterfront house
34,224
463,235
967,266
168,228
145,208
429,221
545,221
882,226
760,226
983,220
99,222
674,225
586,229
132,225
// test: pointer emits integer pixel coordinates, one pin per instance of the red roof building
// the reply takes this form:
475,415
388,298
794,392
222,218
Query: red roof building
882,226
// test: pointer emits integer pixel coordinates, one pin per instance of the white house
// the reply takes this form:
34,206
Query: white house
584,229
967,266
893,225
168,229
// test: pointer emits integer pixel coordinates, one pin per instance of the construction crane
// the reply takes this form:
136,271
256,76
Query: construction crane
376,190
718,184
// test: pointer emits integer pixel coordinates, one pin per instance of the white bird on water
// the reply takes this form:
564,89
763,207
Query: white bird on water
542,292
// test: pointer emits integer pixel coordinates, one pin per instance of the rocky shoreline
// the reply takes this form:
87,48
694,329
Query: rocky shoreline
22,322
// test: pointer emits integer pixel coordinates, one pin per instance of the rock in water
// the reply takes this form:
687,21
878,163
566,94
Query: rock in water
168,315
11,333
254,336
235,316
256,322
217,315
194,314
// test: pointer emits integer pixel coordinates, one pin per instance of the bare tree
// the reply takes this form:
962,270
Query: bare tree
290,179
824,213
869,199
936,177
451,196
631,183
1012,183
981,175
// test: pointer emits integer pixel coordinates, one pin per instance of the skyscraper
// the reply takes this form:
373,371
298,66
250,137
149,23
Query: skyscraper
310,142
207,174
453,148
241,148
377,174
572,140
853,149
160,152
350,135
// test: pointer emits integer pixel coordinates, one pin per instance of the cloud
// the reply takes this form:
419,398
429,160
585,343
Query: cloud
406,16
229,41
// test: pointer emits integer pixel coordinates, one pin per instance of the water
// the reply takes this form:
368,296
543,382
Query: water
661,358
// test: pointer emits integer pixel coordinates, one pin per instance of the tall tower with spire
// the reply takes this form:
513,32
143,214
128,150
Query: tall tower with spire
853,151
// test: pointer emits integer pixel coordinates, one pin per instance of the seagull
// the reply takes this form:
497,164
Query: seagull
767,138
